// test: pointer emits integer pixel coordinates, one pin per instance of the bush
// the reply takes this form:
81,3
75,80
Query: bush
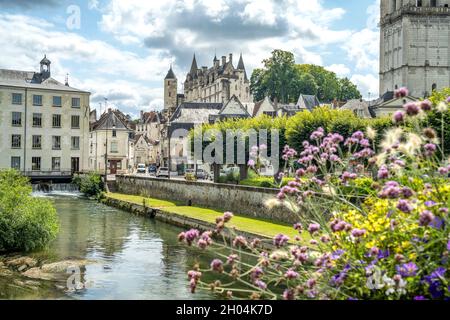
264,182
26,223
91,185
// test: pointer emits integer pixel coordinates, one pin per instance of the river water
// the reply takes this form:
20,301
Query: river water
136,258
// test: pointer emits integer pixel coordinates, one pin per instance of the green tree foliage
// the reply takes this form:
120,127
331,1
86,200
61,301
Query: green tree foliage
26,223
283,79
91,185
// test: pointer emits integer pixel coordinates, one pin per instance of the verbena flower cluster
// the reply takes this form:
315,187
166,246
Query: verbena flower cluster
373,221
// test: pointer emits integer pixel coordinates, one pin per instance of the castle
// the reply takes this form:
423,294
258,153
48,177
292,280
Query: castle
414,46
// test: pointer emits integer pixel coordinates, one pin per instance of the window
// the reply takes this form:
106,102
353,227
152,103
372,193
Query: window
16,98
16,119
57,101
433,87
75,143
114,147
75,122
433,3
56,164
37,142
56,143
36,163
56,122
37,120
114,133
16,141
15,163
37,100
75,102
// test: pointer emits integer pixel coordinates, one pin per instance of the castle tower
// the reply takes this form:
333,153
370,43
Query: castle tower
170,92
414,46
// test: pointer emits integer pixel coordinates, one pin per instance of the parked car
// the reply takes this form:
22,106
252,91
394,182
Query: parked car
201,174
141,168
189,173
152,169
162,172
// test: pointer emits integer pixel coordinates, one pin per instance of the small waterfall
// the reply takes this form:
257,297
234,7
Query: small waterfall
55,188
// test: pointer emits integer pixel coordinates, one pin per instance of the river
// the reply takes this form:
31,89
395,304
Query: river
136,257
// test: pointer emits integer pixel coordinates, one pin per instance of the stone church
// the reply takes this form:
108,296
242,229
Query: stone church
414,46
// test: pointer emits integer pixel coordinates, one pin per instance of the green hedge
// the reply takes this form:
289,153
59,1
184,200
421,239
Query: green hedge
26,223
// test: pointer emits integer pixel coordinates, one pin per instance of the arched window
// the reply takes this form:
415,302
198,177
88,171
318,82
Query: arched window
393,5
434,3
433,87
418,3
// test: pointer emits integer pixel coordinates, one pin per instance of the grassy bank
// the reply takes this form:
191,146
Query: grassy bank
239,222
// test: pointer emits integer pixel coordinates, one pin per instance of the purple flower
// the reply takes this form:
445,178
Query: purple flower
313,228
407,270
358,233
407,193
435,282
256,273
289,295
443,171
430,204
412,109
217,265
448,245
280,240
227,216
420,298
405,206
399,116
318,134
426,217
251,163
430,149
337,254
402,92
437,223
261,284
383,173
291,274
358,135
426,105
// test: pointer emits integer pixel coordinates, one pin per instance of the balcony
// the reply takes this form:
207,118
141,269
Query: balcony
414,10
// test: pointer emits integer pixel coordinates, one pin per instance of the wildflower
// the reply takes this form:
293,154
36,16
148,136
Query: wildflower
448,245
358,233
383,173
255,243
443,171
261,284
358,135
426,105
426,217
407,193
217,265
232,259
311,283
291,274
420,298
430,133
407,270
313,242
430,149
435,282
402,92
289,294
392,137
399,116
240,241
280,240
442,107
371,133
190,236
318,134
263,147
405,206
227,216
325,239
313,228
411,109
430,204
346,176
251,163
281,196
256,273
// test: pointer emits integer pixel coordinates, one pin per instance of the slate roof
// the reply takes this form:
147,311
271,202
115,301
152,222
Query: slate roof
112,119
361,105
307,102
170,74
258,105
32,80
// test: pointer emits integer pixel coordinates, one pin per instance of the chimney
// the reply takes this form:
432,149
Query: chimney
231,58
224,60
142,115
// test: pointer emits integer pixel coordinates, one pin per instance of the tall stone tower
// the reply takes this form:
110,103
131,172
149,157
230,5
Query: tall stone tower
170,92
414,46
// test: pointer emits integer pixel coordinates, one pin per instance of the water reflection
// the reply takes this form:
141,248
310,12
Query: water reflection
137,258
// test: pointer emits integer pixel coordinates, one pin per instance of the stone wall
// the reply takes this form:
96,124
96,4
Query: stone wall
244,200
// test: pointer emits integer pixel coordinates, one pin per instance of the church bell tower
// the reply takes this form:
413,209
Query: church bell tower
414,46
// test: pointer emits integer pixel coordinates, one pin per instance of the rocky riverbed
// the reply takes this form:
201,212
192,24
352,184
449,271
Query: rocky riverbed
26,273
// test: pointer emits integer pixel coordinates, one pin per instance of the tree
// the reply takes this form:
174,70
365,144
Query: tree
307,85
348,90
278,79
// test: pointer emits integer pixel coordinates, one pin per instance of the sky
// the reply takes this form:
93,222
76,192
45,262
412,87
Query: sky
121,50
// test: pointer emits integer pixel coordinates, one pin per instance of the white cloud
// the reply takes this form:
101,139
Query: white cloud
367,84
340,69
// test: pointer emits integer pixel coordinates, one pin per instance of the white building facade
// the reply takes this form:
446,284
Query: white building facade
44,124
